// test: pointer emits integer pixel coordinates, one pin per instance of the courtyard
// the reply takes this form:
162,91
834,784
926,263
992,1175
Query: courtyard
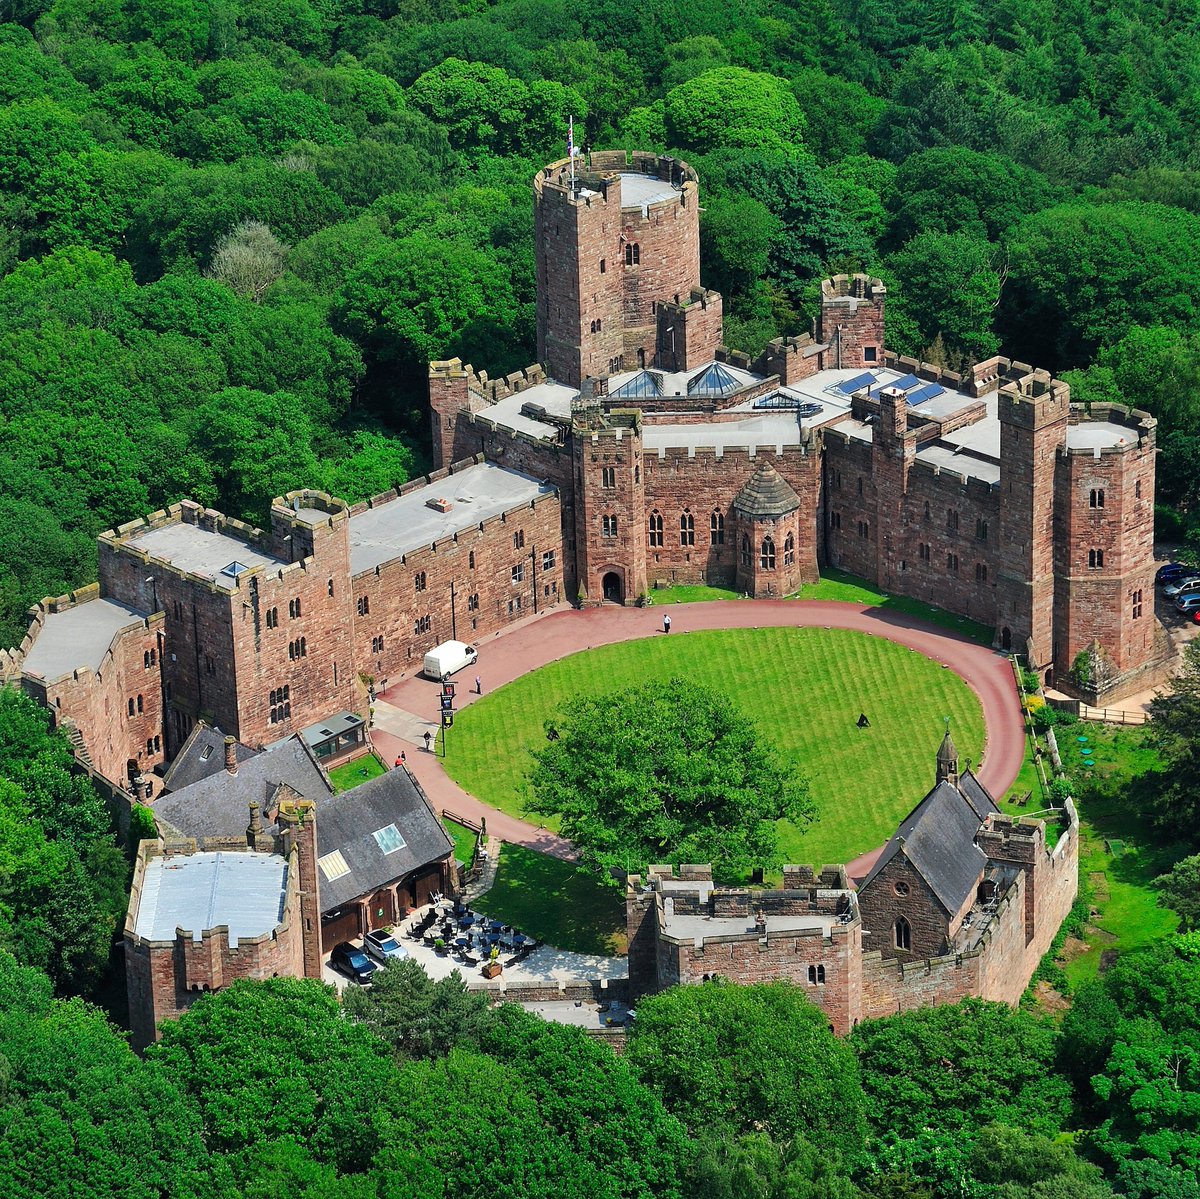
805,688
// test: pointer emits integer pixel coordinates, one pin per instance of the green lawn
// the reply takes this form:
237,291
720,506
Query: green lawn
1116,857
464,840
805,689
350,774
556,902
837,585
850,589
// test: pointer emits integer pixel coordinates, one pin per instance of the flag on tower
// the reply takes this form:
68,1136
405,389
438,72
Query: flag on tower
570,137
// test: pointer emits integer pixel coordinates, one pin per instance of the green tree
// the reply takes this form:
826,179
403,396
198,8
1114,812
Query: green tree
1179,889
1170,797
959,1065
733,107
664,772
751,1059
417,1016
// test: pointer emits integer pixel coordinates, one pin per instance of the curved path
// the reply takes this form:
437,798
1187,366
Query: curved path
405,710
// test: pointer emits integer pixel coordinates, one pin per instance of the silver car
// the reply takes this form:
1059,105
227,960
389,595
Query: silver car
1189,602
383,947
1182,586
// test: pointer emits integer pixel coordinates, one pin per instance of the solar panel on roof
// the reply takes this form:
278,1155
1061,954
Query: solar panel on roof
925,393
905,382
857,383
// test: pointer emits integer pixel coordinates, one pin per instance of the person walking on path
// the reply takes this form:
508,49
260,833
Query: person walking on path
400,760
666,624
428,739
478,685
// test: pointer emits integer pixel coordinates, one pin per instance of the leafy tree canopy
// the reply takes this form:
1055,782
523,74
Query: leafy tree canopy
664,772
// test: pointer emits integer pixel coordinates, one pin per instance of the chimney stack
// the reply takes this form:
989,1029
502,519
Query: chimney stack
255,827
231,763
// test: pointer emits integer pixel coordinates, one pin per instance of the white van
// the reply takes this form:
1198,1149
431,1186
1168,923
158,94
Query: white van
443,660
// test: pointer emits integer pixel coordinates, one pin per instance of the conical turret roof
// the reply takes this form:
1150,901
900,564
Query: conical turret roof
768,494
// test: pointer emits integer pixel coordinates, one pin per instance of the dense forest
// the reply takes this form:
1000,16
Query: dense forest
268,1091
232,234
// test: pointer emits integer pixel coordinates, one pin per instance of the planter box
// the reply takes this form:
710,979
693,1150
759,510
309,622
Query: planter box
491,970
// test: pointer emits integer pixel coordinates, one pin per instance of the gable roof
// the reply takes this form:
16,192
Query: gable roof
218,805
938,839
977,795
347,824
203,754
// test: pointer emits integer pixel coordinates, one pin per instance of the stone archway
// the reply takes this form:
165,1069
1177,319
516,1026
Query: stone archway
613,588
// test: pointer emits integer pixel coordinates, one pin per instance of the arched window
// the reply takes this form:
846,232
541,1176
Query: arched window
633,253
656,528
789,551
766,554
687,529
131,707
1095,559
903,934
716,529
745,550
471,560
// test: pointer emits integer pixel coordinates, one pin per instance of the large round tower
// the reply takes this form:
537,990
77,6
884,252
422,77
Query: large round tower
610,244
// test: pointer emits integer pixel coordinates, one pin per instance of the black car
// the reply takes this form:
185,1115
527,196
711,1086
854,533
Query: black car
1171,573
353,963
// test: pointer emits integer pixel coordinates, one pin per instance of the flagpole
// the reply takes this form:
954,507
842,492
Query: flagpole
571,150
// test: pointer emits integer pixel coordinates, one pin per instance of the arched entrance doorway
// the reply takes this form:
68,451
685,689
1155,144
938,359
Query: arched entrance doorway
1005,639
614,589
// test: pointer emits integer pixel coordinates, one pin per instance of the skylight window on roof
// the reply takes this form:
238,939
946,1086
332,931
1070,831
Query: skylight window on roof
389,840
206,753
713,380
234,569
333,865
644,383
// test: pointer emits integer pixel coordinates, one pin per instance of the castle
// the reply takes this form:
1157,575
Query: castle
640,451
962,901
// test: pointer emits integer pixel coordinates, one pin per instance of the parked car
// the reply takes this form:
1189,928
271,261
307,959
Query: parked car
353,963
383,947
1181,586
1172,572
1189,603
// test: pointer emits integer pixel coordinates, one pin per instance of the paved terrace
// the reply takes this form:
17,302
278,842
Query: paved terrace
409,708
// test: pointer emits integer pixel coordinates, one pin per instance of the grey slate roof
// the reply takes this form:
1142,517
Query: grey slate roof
976,794
203,754
767,494
219,805
348,822
938,839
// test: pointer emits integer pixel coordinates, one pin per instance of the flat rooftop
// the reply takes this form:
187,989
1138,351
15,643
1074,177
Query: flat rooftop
202,552
406,523
1099,435
553,398
638,190
699,928
766,431
245,891
78,637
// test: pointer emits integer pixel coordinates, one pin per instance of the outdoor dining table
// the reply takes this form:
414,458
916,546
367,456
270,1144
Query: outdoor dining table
467,920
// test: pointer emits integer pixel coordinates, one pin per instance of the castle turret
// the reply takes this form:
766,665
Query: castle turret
852,320
767,512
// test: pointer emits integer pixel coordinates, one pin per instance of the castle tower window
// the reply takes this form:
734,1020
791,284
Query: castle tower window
864,528
1137,489
860,484
376,645
549,558
902,934
131,707
633,253
981,529
518,573
419,581
519,539
869,355
473,602
1095,559
952,520
927,512
471,560
980,572
656,529
789,551
687,529
364,605
603,264
294,608
331,588
1136,598
835,520
1096,499
423,625
952,563
923,551
745,550
272,618
608,476
608,526
716,529
766,554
